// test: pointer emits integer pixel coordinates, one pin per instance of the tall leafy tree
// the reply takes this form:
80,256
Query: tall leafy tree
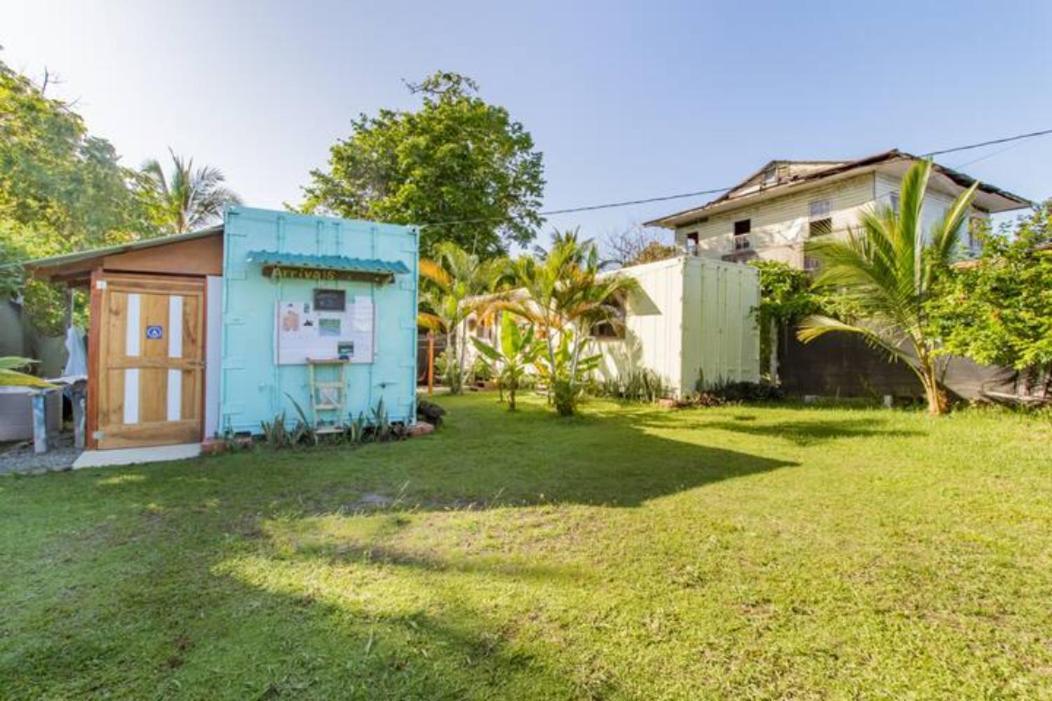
186,198
61,190
997,310
458,163
888,268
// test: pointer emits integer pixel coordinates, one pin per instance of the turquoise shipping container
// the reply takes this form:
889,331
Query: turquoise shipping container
299,288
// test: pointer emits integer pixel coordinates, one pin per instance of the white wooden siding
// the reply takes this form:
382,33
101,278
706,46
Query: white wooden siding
779,226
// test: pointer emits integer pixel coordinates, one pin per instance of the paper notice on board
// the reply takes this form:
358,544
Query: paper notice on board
302,332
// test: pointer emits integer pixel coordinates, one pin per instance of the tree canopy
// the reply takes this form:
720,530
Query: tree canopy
457,159
61,190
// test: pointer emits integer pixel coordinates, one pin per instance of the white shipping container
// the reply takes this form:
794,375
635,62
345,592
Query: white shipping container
690,320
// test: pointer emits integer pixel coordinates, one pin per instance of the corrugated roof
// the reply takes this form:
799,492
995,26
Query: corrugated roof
67,258
837,167
372,266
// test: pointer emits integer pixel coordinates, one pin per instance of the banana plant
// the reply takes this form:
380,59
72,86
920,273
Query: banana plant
11,377
517,352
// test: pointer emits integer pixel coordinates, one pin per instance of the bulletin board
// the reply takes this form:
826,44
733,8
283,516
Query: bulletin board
302,332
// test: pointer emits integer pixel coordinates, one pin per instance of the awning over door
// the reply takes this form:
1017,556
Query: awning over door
300,265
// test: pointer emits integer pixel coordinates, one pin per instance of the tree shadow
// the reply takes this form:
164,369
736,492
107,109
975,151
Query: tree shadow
185,564
807,433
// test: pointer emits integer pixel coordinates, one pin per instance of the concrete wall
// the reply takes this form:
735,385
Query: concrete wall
253,387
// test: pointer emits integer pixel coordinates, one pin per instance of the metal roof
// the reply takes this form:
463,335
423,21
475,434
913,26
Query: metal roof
80,256
729,199
372,266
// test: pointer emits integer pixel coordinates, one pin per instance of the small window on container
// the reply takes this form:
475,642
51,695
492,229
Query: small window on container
614,328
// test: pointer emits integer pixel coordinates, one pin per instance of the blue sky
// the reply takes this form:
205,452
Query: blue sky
625,100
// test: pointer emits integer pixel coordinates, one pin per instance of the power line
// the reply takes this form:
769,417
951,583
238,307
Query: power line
710,191
713,191
992,142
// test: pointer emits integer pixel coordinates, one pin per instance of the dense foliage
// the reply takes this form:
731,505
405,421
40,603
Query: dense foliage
511,359
565,296
456,159
998,310
61,190
786,296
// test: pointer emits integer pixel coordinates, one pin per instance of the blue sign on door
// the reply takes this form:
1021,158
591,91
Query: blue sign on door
154,332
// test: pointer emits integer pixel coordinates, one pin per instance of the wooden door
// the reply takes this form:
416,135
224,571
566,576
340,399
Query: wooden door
150,364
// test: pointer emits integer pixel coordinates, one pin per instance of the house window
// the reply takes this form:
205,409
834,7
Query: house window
893,202
976,225
820,221
770,176
692,242
741,234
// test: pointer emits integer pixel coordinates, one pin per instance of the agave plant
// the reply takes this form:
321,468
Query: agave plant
10,376
887,268
517,351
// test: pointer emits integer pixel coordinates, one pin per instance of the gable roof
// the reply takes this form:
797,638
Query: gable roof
792,174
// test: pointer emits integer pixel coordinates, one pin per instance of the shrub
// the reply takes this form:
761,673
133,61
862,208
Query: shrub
737,392
635,386
565,395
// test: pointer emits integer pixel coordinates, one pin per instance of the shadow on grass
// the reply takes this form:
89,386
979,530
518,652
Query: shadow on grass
806,433
182,589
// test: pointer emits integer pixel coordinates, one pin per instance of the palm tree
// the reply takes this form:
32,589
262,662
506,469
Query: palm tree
887,269
566,296
458,286
187,198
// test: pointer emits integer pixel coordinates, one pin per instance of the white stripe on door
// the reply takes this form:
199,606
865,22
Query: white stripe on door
175,326
131,395
175,394
133,328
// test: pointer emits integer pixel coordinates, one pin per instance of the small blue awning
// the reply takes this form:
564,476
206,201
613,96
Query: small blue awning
278,264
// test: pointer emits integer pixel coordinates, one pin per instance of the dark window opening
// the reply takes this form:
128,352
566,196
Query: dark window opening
692,241
614,327
741,234
820,227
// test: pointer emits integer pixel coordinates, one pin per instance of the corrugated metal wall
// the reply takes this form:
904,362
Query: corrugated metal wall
653,324
253,385
691,316
721,338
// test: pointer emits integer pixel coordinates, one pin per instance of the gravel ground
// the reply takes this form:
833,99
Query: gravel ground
19,457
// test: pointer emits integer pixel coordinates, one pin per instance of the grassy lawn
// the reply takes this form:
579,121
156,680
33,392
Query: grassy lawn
629,553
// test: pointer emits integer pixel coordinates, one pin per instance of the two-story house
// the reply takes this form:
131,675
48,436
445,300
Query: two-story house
773,212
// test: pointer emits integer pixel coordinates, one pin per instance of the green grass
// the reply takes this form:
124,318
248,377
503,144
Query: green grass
628,553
